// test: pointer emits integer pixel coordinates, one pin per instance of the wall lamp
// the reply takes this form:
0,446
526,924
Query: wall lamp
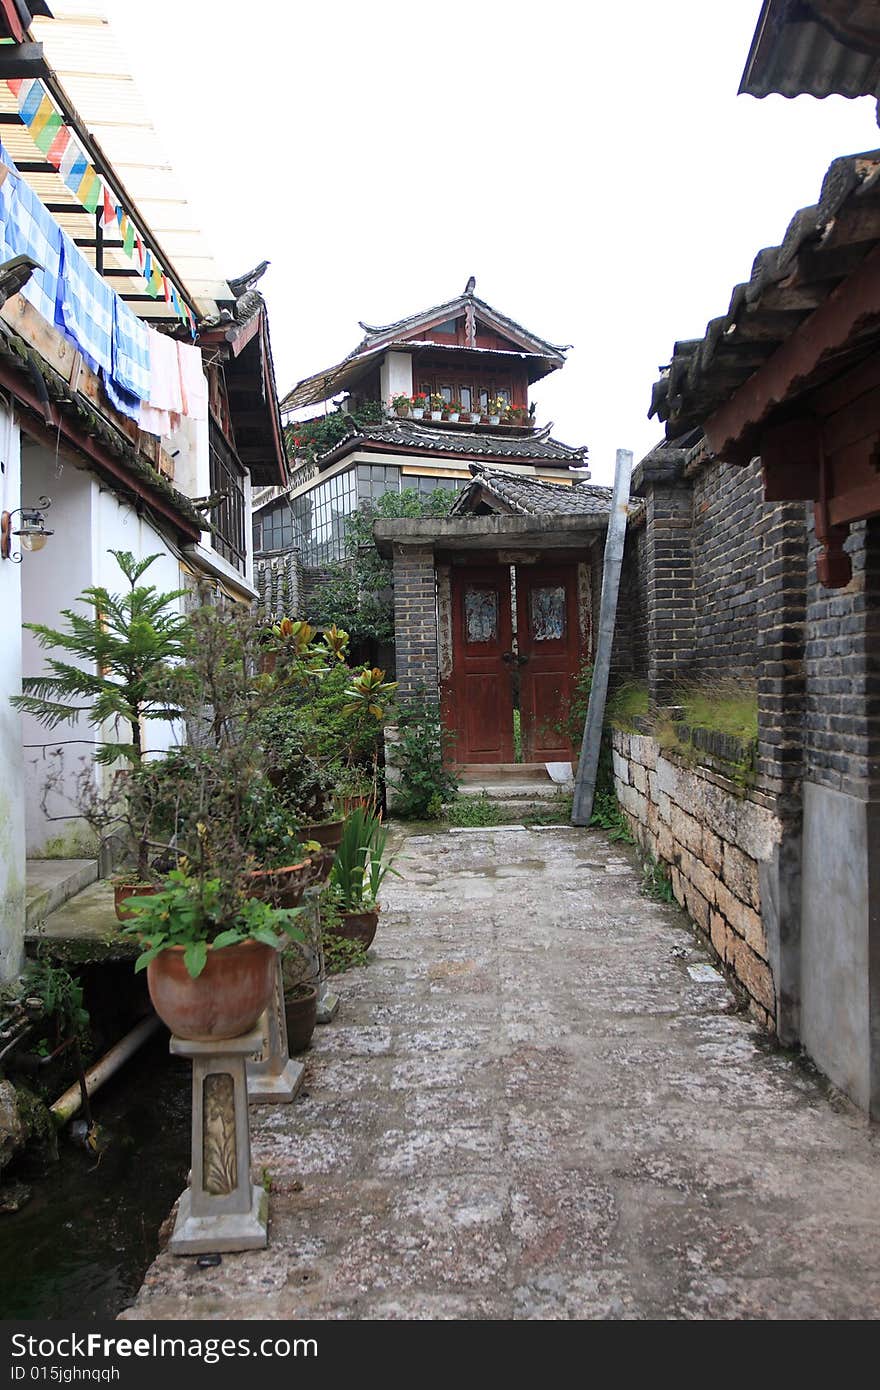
31,532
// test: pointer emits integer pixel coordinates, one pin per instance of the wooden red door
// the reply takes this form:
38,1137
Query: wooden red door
548,641
478,700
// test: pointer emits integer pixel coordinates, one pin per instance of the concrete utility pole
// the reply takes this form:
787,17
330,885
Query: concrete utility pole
585,781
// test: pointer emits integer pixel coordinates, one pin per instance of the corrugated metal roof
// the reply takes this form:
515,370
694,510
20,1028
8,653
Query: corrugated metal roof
82,50
793,53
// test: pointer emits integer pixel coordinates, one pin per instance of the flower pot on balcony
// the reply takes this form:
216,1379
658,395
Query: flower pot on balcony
418,412
436,414
494,419
454,416
475,417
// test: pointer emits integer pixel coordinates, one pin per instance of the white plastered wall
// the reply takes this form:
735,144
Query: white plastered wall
395,375
12,832
89,521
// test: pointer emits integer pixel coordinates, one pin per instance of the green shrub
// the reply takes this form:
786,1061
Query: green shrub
475,810
426,782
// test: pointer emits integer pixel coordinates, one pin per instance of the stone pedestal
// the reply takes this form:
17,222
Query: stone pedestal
222,1209
273,1075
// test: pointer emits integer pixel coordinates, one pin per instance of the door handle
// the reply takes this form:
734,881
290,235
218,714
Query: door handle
512,657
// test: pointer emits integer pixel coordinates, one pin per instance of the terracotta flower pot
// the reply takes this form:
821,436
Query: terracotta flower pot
328,833
224,1001
123,891
281,887
301,1011
358,926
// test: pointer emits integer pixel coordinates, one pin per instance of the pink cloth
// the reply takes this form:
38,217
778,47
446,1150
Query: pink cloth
165,392
193,382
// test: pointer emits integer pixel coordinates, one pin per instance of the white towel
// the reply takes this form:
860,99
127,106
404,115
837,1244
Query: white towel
165,393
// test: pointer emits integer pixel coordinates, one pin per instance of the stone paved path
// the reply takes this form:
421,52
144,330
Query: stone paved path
533,1105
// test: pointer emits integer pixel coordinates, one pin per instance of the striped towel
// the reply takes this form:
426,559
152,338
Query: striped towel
31,231
131,351
85,307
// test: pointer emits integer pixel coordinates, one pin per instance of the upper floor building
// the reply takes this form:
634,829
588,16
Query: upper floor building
417,401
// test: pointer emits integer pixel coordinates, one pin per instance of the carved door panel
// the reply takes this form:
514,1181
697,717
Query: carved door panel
548,642
478,698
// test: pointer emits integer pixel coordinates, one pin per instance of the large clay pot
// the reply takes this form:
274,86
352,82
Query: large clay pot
301,1011
224,1001
281,887
328,834
123,891
358,926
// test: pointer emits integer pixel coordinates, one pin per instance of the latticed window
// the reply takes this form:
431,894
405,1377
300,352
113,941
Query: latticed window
227,516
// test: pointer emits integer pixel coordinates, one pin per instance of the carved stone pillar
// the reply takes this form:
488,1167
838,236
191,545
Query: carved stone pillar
222,1209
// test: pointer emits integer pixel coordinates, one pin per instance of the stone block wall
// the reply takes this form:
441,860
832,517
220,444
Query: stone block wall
713,837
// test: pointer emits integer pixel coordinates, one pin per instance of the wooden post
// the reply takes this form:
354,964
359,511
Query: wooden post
585,781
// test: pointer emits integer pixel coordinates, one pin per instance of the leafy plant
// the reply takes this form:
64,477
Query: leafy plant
426,781
341,954
474,811
312,438
60,995
656,882
118,652
194,913
361,864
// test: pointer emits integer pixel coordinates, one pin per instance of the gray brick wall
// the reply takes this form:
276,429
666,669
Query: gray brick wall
842,669
415,621
726,504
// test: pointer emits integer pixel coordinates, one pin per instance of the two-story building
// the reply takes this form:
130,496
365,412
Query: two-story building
137,397
477,365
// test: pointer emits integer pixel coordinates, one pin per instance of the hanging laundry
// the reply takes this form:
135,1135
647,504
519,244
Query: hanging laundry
165,391
84,308
154,421
193,382
128,382
30,231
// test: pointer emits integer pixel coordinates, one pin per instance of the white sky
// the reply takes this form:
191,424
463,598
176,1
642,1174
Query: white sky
591,164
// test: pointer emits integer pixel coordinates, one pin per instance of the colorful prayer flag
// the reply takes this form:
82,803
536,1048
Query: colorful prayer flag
109,215
128,238
89,191
56,150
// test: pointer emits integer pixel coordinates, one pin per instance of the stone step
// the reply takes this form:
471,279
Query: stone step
516,791
481,773
51,883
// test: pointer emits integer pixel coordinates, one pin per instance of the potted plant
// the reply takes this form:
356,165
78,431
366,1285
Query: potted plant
418,404
437,406
400,404
356,787
209,954
453,410
475,416
496,408
517,415
359,869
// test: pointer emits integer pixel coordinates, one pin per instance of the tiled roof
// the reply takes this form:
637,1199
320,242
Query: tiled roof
377,340
427,438
823,245
533,496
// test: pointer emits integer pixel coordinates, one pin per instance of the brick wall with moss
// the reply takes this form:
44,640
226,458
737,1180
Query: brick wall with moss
725,546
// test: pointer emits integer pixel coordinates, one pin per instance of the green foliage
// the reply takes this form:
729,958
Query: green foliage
196,912
625,704
517,737
426,781
60,994
359,593
312,438
361,864
118,653
727,708
656,882
475,810
341,954
608,816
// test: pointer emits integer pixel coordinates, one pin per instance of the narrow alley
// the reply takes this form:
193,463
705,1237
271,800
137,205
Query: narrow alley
541,1101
